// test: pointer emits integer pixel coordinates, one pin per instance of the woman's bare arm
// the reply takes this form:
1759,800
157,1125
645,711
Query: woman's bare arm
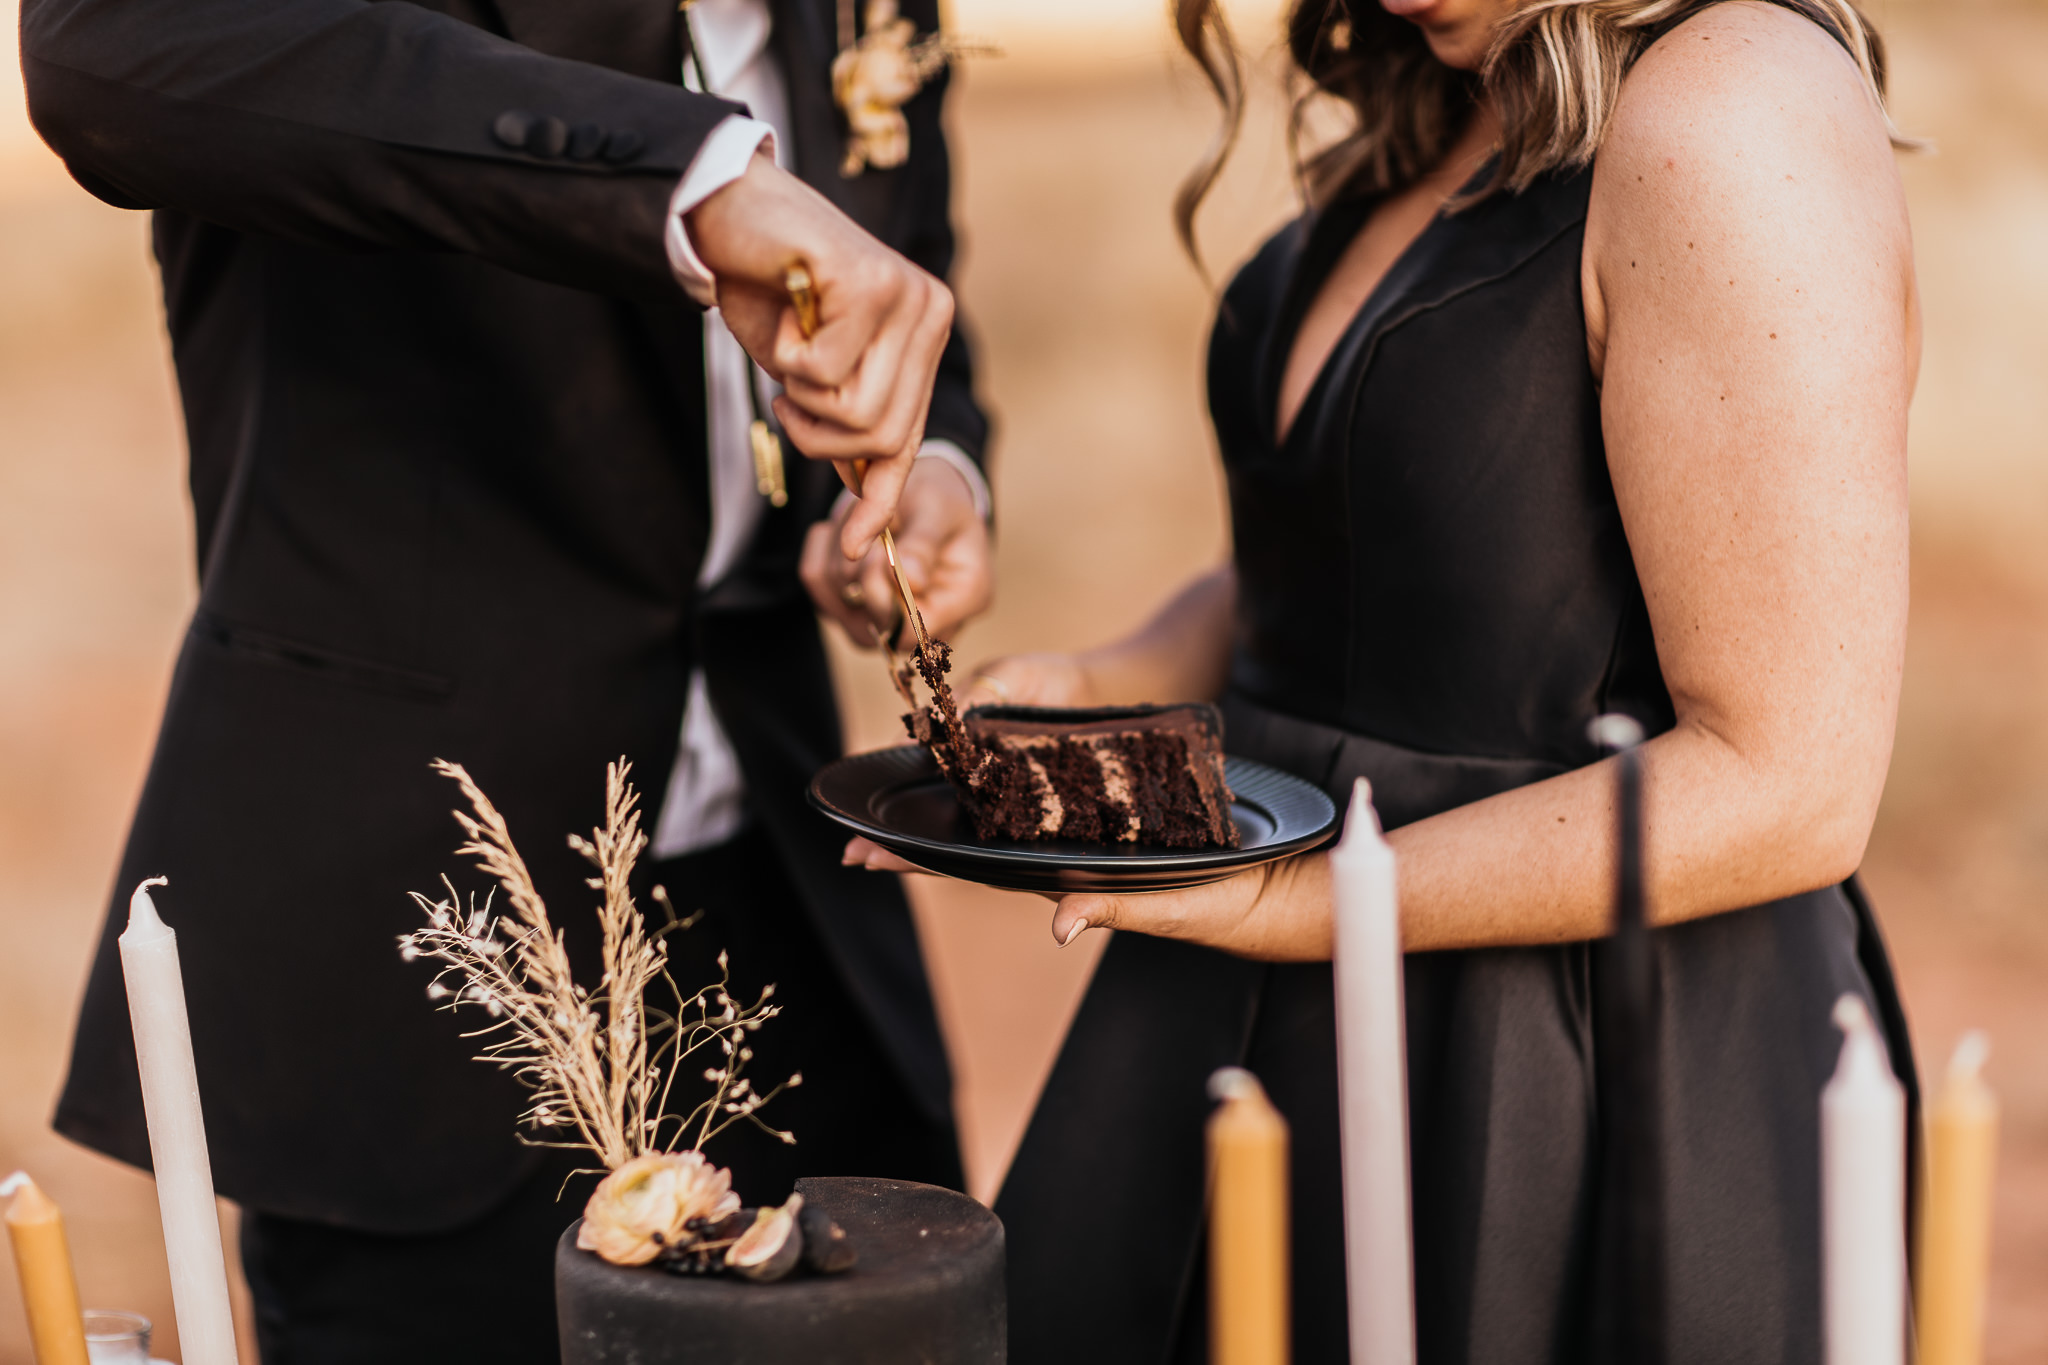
1181,654
1750,304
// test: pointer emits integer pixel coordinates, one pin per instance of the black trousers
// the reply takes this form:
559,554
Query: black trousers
485,1291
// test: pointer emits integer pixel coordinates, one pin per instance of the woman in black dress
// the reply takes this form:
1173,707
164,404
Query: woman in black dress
1517,435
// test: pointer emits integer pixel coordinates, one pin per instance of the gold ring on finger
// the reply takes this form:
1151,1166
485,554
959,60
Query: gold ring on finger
853,595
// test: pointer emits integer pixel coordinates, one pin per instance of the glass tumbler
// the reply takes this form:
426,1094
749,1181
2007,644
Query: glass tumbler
116,1338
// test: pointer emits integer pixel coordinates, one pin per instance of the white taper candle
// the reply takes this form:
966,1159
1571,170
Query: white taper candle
1372,1087
177,1134
1863,1198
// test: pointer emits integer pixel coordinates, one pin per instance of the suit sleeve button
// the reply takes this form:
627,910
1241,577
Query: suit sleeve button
512,127
623,145
584,141
548,137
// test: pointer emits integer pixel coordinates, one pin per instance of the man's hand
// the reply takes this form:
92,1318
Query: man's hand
859,389
941,543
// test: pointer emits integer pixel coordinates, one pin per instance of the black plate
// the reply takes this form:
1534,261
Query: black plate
897,798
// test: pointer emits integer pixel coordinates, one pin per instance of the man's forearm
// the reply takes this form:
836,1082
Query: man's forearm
357,126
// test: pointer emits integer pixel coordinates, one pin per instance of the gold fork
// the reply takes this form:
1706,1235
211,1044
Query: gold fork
804,298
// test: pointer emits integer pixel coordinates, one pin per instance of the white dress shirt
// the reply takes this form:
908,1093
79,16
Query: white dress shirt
706,800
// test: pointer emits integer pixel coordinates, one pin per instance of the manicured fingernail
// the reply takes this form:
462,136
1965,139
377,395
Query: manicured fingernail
1074,931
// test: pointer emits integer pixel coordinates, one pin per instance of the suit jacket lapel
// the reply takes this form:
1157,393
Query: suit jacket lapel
807,39
804,38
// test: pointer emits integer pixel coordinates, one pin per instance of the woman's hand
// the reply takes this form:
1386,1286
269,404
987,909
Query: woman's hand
1276,912
1181,654
942,543
1031,680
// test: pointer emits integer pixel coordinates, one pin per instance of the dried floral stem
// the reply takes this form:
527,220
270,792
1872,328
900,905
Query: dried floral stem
632,961
603,1064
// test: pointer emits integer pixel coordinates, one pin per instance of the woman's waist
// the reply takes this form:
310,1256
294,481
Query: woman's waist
1409,783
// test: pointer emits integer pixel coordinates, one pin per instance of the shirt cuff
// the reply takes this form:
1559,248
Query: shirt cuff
721,160
946,453
977,483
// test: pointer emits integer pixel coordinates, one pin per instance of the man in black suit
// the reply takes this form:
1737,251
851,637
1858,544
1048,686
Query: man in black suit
424,272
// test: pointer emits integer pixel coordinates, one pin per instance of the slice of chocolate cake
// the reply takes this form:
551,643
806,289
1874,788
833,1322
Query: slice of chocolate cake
1119,774
1106,775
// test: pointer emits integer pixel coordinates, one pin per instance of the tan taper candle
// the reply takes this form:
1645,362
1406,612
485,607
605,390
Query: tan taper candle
1247,1224
1955,1227
42,1258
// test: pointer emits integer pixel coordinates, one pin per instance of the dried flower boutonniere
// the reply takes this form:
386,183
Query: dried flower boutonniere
602,1064
874,76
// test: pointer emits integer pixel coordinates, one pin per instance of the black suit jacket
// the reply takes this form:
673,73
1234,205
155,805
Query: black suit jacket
445,405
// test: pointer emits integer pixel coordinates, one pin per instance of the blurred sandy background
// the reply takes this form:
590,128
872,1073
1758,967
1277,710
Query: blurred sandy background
1091,329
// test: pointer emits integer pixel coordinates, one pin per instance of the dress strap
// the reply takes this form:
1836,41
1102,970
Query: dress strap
1805,9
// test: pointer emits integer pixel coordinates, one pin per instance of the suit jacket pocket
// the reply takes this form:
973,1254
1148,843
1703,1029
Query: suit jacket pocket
265,646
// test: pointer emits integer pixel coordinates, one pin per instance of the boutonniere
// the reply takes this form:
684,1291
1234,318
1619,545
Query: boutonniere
878,73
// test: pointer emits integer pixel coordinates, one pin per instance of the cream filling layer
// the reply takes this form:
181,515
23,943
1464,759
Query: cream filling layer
1116,780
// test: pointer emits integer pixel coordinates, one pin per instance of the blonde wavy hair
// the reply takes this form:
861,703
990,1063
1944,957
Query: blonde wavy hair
1553,72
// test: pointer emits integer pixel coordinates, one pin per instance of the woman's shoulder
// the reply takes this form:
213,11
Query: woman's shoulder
1252,297
1747,151
1745,124
1265,272
1740,81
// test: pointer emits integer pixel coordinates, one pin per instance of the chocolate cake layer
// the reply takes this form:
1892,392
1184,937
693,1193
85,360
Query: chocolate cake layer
1125,774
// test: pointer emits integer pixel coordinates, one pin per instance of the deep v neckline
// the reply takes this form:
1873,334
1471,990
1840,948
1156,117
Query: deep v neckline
1326,237
1329,235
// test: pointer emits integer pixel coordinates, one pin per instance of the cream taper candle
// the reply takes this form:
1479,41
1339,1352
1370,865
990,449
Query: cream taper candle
1863,1198
1955,1225
177,1134
1372,1090
42,1258
1247,1224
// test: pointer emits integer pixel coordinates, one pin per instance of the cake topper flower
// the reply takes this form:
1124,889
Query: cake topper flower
647,1206
874,76
602,1065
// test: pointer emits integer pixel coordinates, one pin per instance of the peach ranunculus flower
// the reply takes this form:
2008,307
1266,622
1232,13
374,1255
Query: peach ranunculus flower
641,1209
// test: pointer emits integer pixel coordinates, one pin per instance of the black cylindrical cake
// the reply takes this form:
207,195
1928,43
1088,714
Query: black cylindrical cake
928,1287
